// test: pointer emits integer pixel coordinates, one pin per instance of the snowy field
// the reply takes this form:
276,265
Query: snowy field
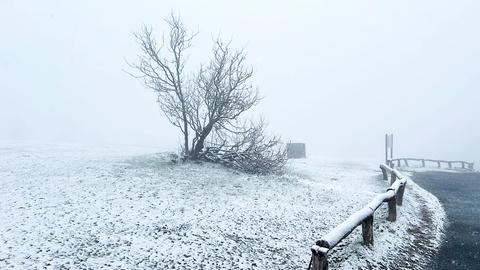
67,207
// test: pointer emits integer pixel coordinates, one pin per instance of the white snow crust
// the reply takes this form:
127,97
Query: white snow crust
71,207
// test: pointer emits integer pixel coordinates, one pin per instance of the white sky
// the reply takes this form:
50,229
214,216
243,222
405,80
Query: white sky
335,74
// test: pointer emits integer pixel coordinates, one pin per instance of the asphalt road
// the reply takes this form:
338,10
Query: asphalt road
460,195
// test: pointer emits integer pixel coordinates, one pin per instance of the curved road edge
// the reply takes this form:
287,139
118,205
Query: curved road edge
409,243
426,235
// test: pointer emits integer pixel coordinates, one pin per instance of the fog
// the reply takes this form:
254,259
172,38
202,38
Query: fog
336,75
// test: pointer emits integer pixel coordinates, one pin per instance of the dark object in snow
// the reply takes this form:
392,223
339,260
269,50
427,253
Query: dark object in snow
296,150
173,158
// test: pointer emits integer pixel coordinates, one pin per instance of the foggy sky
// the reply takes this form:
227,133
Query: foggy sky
337,75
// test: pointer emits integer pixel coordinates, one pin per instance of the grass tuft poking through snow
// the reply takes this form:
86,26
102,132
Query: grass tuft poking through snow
82,208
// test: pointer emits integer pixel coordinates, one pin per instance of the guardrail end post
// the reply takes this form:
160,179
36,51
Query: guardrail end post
400,192
392,209
319,260
367,231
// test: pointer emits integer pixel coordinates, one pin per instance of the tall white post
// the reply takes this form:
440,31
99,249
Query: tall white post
391,146
386,149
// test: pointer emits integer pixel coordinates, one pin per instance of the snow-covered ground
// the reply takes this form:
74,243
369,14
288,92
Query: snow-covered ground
67,207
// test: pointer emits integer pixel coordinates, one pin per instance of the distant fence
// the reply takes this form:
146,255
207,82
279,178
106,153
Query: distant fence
451,164
393,196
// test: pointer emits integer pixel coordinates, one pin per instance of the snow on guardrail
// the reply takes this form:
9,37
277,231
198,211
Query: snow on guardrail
393,196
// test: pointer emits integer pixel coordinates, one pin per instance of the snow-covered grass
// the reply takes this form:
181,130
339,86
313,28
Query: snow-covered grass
66,207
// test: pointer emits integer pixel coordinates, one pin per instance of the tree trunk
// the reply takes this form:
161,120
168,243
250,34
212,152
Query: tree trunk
201,140
185,133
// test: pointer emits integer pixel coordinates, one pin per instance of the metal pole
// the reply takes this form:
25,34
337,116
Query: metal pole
391,146
386,149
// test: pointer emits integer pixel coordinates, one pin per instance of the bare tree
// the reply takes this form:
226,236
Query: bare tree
161,67
209,104
223,92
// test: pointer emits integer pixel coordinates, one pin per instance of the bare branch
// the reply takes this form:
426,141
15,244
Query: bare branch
161,68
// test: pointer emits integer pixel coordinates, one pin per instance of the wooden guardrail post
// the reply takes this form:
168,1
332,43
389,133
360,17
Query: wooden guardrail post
319,259
449,165
423,162
438,163
406,162
400,192
393,177
367,231
384,172
392,209
463,165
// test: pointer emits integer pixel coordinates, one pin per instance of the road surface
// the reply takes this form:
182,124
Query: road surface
459,193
